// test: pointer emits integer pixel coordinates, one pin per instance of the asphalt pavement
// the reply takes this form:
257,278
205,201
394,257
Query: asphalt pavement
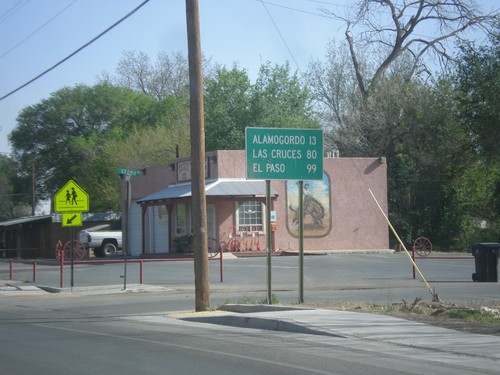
440,344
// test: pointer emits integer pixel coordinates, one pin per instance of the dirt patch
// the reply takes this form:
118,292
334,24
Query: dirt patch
483,319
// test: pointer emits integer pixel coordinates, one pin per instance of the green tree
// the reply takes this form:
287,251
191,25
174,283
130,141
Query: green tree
281,100
59,134
375,99
232,103
478,84
227,109
12,203
430,154
477,189
141,147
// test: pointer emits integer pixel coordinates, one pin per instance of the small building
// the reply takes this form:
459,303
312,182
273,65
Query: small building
36,236
339,211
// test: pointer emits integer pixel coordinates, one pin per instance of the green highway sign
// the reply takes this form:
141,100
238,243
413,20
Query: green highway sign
284,154
129,172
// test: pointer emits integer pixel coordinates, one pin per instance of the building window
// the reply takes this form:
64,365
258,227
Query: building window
250,216
180,219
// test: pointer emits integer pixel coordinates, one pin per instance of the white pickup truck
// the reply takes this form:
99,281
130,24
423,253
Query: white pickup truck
104,243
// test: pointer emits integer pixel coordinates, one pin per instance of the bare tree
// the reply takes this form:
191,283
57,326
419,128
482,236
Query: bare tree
134,71
361,89
168,75
414,27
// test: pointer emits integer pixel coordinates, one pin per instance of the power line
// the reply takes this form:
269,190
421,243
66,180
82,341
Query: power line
10,12
78,50
281,36
298,10
327,15
36,31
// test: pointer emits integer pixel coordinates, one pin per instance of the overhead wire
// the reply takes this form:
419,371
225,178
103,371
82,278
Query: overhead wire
77,51
281,36
37,30
325,14
12,10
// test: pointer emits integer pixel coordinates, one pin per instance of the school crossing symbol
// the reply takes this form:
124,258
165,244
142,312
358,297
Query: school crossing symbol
71,198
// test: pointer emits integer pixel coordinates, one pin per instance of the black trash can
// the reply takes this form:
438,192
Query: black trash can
486,259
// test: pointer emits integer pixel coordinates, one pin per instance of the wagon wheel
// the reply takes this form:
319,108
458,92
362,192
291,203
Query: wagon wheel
78,250
58,250
422,246
213,247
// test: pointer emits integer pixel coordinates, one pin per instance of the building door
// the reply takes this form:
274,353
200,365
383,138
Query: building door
158,224
135,230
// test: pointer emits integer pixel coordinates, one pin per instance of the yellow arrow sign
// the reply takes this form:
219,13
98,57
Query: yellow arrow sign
71,198
72,219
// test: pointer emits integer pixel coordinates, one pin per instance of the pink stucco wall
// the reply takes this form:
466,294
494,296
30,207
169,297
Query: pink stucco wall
354,220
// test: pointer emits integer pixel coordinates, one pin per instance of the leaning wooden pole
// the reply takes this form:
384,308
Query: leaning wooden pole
435,297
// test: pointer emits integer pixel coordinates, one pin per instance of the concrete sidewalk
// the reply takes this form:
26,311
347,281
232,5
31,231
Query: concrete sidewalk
439,344
14,288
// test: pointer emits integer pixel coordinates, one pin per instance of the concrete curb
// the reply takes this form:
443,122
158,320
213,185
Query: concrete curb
259,323
106,289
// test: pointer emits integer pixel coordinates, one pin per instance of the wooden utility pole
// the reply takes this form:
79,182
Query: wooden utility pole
198,203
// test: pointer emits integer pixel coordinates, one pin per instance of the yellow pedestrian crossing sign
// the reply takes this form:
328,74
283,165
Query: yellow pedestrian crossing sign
71,198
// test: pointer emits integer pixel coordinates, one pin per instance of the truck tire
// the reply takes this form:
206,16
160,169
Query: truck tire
98,252
108,249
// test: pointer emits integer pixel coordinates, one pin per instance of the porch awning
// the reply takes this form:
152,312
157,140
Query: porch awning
220,187
24,220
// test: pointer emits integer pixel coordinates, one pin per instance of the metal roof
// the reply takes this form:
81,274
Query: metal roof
219,187
56,218
92,216
23,220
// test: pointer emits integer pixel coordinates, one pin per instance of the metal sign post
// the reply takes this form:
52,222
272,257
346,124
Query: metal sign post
301,241
126,245
72,257
268,242
126,174
70,201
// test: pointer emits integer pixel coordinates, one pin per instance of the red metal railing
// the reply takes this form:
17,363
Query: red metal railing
62,262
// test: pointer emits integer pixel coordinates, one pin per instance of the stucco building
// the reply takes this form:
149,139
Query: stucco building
339,211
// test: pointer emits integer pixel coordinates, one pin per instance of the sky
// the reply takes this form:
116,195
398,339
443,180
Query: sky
37,34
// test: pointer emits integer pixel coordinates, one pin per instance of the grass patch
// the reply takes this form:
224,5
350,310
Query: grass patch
251,299
417,308
473,314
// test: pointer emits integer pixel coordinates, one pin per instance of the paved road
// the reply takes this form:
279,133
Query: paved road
360,278
97,327
86,332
